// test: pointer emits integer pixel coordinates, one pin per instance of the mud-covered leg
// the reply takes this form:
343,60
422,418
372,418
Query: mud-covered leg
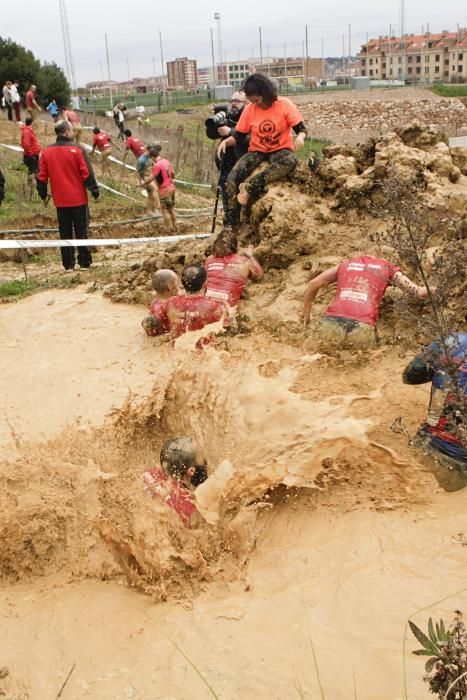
281,164
241,170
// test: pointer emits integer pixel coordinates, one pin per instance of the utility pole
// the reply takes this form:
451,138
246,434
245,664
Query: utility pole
343,57
102,70
108,72
69,65
217,17
214,83
305,72
154,68
260,50
350,57
162,60
322,58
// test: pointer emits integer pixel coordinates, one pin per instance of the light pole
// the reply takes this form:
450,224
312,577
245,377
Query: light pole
108,72
217,17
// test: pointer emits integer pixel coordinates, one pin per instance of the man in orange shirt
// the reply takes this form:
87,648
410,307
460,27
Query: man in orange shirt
268,120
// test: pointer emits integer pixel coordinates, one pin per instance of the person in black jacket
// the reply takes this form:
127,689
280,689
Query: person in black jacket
223,130
67,166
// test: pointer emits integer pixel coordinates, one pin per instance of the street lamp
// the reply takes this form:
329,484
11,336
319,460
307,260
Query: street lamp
217,17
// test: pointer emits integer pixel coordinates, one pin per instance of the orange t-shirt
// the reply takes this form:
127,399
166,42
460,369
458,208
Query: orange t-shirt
269,128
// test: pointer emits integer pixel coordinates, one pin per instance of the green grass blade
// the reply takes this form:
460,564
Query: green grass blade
315,661
195,668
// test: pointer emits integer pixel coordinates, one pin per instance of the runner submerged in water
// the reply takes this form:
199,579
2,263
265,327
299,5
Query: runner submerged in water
444,433
182,469
165,283
350,320
192,311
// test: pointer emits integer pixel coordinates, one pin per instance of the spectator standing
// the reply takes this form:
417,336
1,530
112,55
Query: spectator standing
119,119
16,100
32,108
7,100
67,167
53,110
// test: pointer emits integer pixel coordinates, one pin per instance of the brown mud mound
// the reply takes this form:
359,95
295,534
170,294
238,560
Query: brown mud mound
303,226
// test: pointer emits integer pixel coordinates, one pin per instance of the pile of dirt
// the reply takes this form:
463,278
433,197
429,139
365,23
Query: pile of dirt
303,226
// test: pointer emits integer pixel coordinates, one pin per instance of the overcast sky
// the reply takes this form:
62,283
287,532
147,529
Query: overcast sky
133,29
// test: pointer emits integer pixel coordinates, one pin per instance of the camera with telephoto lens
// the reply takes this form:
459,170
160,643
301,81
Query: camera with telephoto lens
220,118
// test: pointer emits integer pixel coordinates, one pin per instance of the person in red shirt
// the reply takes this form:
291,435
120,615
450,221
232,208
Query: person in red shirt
228,272
268,120
165,284
163,174
134,145
31,151
103,143
75,122
350,320
67,167
182,469
192,311
32,108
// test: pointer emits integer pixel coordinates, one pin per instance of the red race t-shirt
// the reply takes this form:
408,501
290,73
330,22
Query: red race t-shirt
158,309
171,492
101,141
30,97
72,117
135,146
361,283
269,128
192,313
164,174
226,278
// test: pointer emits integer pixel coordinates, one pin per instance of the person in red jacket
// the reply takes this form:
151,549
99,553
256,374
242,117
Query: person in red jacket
192,311
67,167
350,320
133,144
31,151
165,284
228,272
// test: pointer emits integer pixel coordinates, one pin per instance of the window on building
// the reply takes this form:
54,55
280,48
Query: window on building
437,57
371,61
363,62
409,59
363,72
436,69
419,70
419,59
461,57
427,59
399,60
446,73
430,44
427,70
410,70
371,72
446,61
459,69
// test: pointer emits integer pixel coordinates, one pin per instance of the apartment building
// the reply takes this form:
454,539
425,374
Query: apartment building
234,73
292,71
182,73
416,58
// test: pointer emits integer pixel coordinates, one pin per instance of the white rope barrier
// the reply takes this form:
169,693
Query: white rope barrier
95,242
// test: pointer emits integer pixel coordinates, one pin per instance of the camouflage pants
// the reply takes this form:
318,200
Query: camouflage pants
281,163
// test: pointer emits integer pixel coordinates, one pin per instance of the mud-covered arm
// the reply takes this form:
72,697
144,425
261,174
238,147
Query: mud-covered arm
403,282
323,280
418,371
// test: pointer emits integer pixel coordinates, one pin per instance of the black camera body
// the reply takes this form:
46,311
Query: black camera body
220,118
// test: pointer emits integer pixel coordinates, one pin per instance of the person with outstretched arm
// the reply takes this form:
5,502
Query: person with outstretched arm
350,319
67,167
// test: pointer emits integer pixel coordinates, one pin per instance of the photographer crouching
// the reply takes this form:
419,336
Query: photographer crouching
220,126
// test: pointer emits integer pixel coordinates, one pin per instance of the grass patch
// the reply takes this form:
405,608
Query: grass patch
17,288
449,90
